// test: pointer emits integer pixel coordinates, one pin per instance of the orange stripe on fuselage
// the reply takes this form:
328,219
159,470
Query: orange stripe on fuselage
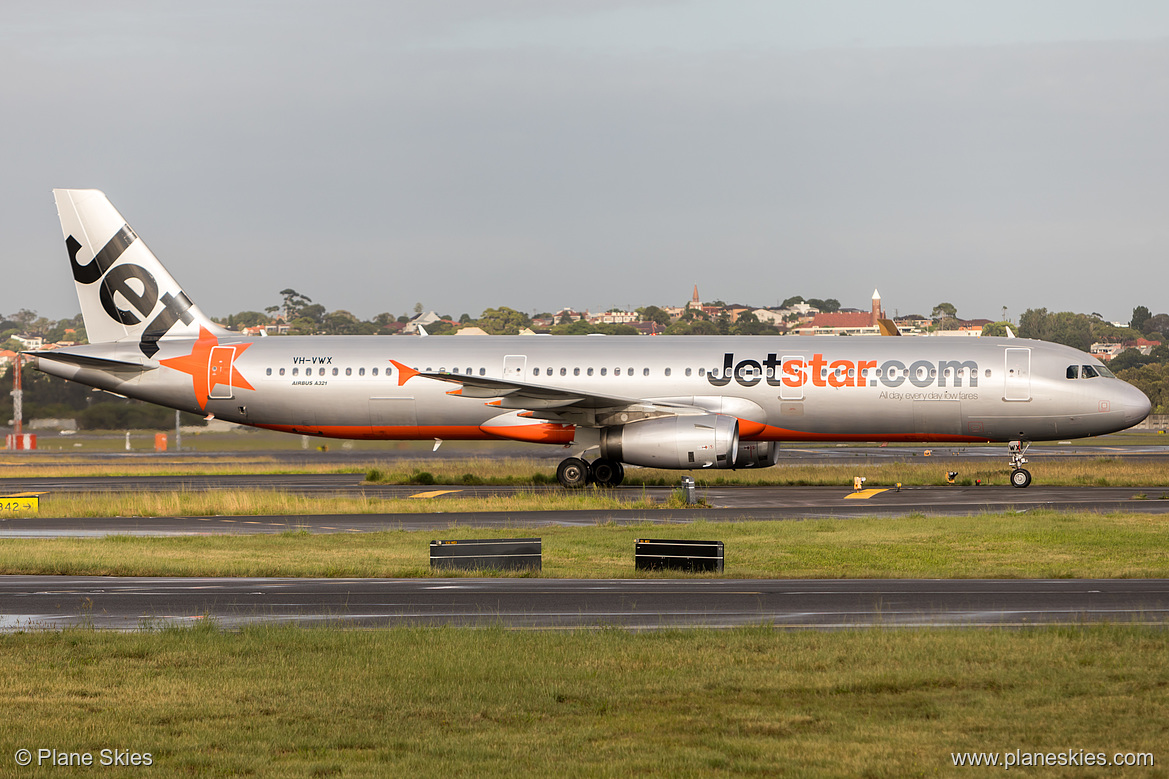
536,434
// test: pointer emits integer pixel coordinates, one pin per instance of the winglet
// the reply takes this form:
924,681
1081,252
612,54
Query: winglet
404,373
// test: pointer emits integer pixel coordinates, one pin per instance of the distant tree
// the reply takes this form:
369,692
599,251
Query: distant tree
617,329
1158,323
1032,323
503,321
697,327
829,306
345,323
789,302
465,319
247,319
1106,332
543,315
294,303
1130,358
749,324
417,308
384,319
997,329
578,327
1140,315
654,314
944,310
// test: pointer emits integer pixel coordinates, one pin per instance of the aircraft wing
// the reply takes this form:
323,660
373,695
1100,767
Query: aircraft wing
87,361
550,402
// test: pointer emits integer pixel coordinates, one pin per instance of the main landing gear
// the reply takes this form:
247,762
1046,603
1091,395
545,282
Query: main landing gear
575,473
1020,476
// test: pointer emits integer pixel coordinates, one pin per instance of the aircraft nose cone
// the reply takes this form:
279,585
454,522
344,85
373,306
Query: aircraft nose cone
1134,403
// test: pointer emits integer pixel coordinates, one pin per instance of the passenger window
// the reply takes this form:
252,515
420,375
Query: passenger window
361,371
576,371
1073,371
281,371
616,371
336,371
535,371
630,372
468,371
667,371
564,371
320,371
701,371
482,371
548,371
296,371
688,371
1088,372
589,371
267,371
603,370
374,371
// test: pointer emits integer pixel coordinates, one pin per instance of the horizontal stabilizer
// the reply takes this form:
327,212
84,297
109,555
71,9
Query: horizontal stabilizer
86,361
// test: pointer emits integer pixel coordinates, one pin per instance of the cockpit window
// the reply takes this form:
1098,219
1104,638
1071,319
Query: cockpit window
1089,372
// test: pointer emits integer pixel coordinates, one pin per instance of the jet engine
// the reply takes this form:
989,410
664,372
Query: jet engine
757,454
678,442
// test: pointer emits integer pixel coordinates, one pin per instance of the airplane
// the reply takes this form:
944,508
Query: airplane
681,402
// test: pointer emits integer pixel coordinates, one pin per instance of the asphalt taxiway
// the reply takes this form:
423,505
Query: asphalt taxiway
726,504
49,602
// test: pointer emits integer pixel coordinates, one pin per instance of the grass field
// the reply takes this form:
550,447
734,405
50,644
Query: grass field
278,701
1038,544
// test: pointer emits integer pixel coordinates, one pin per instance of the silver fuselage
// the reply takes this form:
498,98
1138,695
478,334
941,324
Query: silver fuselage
779,388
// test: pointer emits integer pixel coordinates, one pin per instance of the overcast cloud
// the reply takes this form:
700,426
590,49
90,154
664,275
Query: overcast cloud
590,154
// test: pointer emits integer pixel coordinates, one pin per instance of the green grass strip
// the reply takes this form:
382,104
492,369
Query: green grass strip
278,701
1037,544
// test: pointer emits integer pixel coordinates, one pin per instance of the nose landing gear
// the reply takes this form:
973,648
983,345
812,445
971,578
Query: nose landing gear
1020,476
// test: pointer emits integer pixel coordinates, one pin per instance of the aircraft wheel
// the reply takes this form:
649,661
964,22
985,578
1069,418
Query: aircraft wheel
573,473
608,473
1020,477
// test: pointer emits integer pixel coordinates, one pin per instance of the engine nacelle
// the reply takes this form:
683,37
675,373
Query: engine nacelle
678,443
757,454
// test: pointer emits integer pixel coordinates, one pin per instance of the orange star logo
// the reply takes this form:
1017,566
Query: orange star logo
210,365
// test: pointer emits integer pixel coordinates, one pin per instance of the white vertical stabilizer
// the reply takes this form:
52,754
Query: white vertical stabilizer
124,291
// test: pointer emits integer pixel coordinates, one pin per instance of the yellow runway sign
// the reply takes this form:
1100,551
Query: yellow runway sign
23,501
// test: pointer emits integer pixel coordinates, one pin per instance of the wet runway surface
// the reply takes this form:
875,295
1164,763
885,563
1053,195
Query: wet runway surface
37,602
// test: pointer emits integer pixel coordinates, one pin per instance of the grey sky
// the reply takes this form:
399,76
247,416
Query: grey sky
589,154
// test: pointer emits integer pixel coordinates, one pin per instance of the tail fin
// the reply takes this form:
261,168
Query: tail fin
124,291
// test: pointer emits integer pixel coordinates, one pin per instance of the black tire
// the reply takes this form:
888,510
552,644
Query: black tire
573,473
1020,477
607,473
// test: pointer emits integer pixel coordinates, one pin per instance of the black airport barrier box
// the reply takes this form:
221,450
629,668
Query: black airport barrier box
501,553
649,553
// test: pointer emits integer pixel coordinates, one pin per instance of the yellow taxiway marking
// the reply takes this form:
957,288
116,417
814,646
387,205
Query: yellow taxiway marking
326,527
24,495
434,494
865,494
